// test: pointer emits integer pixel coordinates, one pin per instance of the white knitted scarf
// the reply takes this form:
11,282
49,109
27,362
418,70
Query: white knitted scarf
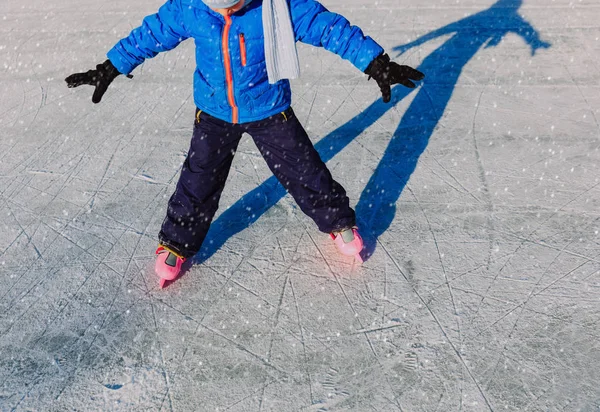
280,43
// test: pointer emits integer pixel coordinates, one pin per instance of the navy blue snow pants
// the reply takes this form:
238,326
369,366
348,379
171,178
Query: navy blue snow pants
290,155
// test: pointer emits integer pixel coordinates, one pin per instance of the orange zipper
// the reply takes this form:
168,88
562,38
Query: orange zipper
228,72
243,49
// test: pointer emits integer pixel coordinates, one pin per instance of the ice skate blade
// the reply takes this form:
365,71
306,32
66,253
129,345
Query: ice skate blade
162,283
359,258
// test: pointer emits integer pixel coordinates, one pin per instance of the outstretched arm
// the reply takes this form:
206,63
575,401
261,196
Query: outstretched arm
159,32
315,25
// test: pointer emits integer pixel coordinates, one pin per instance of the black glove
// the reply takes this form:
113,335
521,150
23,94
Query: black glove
387,73
104,74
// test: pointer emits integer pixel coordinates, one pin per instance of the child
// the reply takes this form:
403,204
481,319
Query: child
245,54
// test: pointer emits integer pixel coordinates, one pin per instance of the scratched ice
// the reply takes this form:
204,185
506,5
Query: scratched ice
478,195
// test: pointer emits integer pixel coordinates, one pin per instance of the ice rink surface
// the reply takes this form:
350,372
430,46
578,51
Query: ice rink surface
478,195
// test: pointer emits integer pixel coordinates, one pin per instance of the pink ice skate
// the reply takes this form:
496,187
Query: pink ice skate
348,242
168,265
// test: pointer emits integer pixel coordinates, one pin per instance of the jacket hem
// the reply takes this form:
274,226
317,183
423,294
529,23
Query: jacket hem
241,117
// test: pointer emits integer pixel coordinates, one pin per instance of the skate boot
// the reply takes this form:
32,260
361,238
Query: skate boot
348,242
168,264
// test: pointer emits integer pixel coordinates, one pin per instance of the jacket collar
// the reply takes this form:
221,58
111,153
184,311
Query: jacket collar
200,4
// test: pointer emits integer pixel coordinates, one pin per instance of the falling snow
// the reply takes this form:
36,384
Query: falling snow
478,194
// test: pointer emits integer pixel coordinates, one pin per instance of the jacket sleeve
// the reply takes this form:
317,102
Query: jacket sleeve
315,25
159,32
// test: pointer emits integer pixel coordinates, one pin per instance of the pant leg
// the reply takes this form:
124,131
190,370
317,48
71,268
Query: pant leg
195,201
292,158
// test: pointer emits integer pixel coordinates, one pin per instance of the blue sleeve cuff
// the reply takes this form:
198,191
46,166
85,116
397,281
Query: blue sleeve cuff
369,51
116,58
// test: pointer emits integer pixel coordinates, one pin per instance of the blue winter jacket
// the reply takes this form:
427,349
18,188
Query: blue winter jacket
230,81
